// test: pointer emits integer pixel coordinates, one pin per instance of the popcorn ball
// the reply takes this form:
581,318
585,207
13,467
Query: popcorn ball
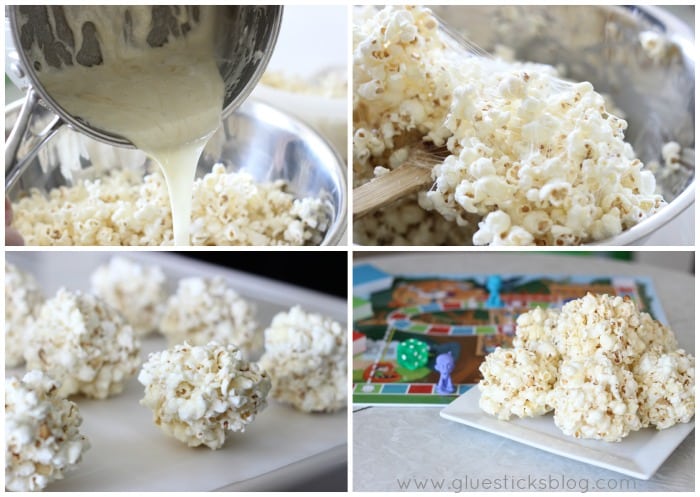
136,291
593,398
198,393
206,309
23,297
604,367
306,355
85,344
126,208
516,382
667,388
532,159
600,325
42,438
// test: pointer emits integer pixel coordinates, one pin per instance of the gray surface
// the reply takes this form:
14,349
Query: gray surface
295,478
410,442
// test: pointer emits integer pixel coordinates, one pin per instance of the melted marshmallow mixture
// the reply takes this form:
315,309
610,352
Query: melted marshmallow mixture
167,101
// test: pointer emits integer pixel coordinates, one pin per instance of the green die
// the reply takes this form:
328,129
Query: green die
412,354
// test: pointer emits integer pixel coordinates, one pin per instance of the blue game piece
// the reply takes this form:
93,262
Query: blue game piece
494,284
444,364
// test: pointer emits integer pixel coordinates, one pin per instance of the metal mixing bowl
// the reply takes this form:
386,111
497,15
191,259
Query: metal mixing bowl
601,44
258,139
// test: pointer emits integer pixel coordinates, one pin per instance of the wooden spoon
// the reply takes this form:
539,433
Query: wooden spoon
408,178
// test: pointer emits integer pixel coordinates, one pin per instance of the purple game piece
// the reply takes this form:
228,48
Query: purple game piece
444,364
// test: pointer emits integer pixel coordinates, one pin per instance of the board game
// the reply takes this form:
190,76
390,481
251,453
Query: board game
403,325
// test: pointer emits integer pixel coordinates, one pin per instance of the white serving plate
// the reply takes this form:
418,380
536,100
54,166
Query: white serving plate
283,448
639,455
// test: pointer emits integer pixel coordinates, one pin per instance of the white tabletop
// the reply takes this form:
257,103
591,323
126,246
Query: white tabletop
402,443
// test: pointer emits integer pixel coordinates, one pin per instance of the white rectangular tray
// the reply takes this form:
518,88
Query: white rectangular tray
283,448
638,455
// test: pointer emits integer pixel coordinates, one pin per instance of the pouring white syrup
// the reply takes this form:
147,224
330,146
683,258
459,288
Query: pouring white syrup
167,100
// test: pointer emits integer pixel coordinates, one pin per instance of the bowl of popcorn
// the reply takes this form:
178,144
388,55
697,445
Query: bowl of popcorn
563,125
312,87
264,178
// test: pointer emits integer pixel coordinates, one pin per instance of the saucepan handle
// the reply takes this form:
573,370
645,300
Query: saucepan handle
14,166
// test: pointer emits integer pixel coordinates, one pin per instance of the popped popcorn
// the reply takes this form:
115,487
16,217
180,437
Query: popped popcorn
124,208
534,160
656,45
675,169
85,344
306,355
667,388
198,393
671,154
604,367
206,309
23,297
328,83
42,437
136,291
594,398
406,223
516,382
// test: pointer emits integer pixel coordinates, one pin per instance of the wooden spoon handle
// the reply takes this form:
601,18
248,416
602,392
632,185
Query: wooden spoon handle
391,186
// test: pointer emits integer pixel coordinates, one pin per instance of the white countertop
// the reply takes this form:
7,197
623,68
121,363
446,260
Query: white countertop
401,443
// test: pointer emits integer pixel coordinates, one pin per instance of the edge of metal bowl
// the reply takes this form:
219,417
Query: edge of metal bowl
273,115
686,198
678,205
